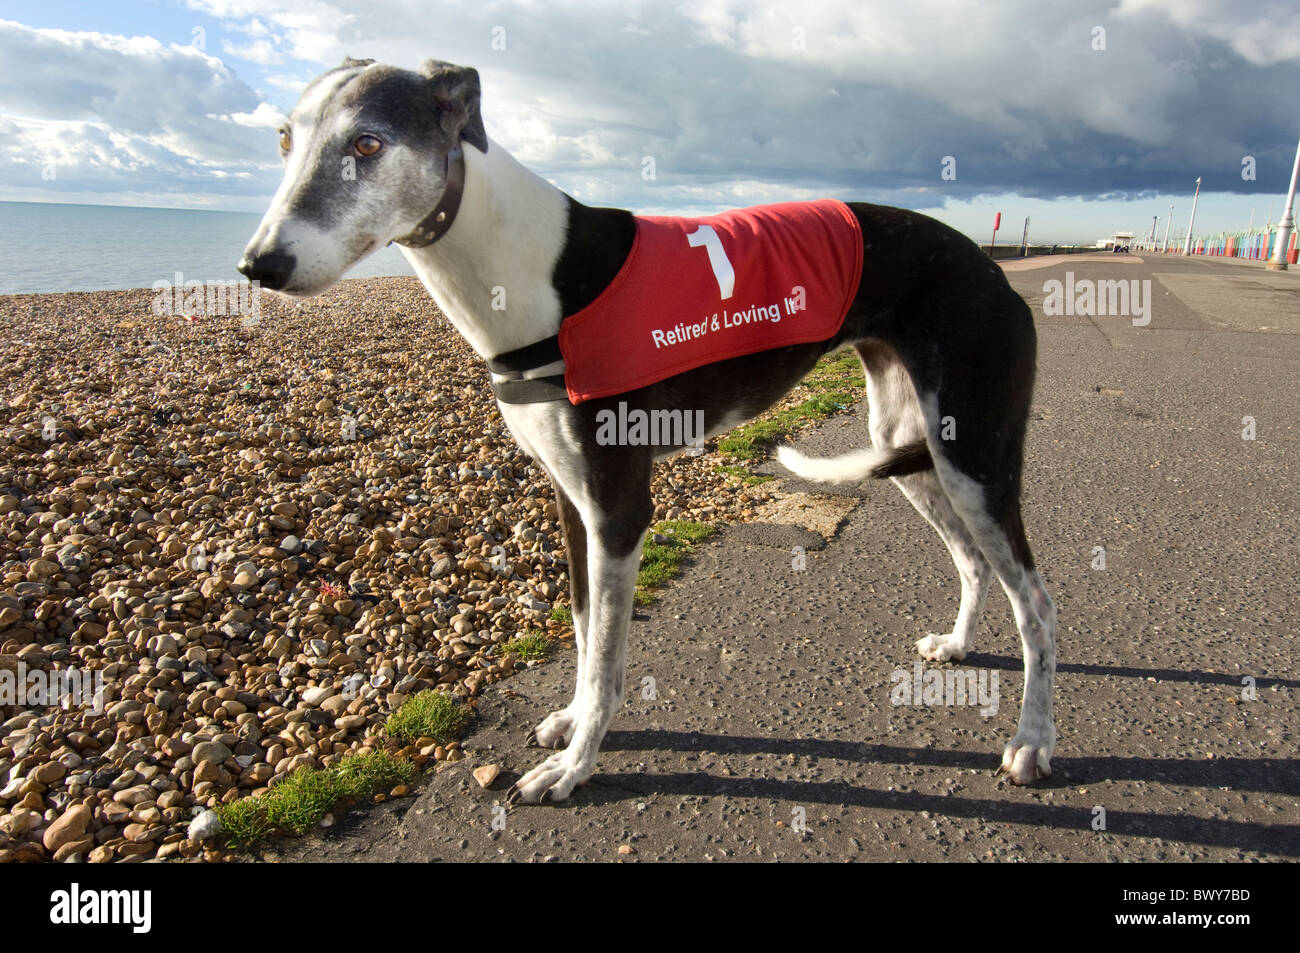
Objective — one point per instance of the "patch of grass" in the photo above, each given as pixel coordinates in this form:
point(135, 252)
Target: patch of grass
point(562, 614)
point(431, 713)
point(529, 646)
point(684, 531)
point(832, 382)
point(752, 441)
point(661, 561)
point(835, 371)
point(743, 475)
point(297, 803)
point(364, 774)
point(243, 822)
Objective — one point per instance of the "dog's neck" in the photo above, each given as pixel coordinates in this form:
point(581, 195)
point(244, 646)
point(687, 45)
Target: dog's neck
point(491, 272)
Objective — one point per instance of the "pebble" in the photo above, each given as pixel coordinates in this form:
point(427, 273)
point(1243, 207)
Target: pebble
point(18, 822)
point(314, 696)
point(50, 772)
point(211, 751)
point(486, 774)
point(204, 826)
point(139, 794)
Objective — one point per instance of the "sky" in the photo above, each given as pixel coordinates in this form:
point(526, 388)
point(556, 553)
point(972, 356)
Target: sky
point(1088, 117)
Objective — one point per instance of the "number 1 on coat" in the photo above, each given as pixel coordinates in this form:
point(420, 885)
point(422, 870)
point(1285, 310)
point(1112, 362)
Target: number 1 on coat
point(722, 270)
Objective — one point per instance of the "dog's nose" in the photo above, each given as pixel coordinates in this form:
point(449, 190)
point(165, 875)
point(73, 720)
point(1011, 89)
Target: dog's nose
point(272, 269)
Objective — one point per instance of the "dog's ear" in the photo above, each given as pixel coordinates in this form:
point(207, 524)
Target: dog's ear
point(456, 92)
point(349, 61)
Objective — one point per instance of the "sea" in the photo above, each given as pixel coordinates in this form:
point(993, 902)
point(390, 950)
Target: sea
point(46, 247)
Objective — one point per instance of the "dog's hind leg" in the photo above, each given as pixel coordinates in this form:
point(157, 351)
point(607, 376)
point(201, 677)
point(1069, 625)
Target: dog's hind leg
point(928, 496)
point(975, 394)
point(556, 729)
point(895, 420)
point(998, 530)
point(1029, 754)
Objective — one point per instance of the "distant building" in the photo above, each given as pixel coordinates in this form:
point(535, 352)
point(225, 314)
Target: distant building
point(1120, 241)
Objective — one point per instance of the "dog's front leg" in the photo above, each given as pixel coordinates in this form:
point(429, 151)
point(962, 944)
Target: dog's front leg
point(556, 729)
point(613, 554)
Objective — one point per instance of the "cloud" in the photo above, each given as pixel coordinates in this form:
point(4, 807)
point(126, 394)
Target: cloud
point(108, 113)
point(313, 28)
point(730, 98)
point(265, 116)
point(1261, 33)
point(259, 51)
point(848, 99)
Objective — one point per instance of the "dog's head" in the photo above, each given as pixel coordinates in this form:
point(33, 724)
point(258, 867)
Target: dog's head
point(365, 155)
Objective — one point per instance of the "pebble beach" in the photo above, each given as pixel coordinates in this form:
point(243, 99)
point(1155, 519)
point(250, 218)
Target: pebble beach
point(260, 540)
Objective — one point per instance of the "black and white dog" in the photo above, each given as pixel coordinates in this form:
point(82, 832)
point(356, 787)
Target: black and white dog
point(940, 333)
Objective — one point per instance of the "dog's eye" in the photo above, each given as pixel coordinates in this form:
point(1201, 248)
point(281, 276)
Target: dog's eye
point(286, 140)
point(367, 145)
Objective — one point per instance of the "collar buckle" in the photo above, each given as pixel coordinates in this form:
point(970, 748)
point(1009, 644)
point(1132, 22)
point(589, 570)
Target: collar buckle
point(437, 223)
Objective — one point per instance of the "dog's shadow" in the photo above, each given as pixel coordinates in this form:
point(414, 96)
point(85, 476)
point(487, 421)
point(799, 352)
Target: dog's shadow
point(1007, 663)
point(1262, 775)
point(1273, 775)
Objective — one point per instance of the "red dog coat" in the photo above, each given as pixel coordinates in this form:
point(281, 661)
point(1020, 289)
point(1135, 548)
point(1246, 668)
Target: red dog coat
point(694, 291)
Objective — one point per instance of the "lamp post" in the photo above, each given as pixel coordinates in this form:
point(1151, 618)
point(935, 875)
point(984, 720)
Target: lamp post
point(1287, 222)
point(1168, 222)
point(1187, 245)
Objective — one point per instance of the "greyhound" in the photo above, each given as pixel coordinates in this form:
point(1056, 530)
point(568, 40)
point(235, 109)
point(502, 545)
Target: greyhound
point(945, 342)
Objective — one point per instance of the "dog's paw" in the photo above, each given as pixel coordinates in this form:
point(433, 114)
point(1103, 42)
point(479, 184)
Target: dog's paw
point(941, 648)
point(552, 780)
point(1025, 763)
point(556, 729)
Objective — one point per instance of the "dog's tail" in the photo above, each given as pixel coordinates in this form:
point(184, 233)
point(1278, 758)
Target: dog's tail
point(876, 463)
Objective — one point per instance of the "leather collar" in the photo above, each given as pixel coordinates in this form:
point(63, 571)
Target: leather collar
point(436, 223)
